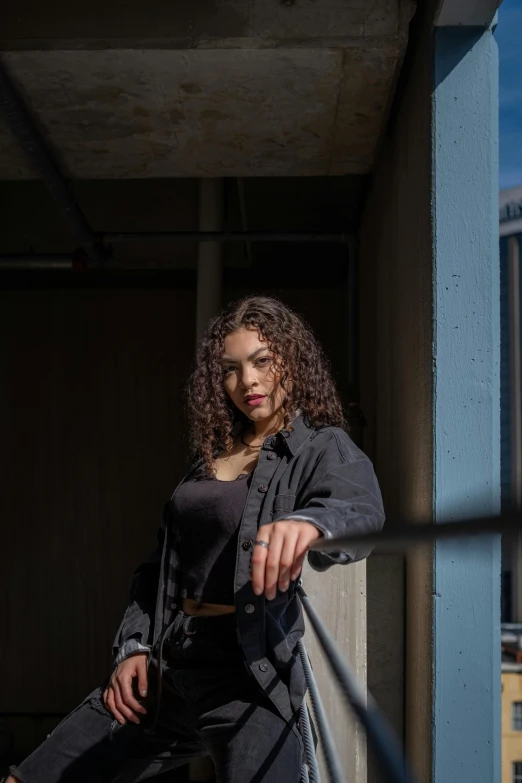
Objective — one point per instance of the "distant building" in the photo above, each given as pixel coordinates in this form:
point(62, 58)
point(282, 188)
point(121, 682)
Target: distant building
point(511, 392)
point(512, 704)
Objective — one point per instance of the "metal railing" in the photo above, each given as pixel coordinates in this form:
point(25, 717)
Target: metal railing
point(388, 751)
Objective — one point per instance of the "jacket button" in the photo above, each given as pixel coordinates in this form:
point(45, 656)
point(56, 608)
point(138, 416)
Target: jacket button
point(249, 608)
point(271, 455)
point(262, 488)
point(263, 667)
point(247, 544)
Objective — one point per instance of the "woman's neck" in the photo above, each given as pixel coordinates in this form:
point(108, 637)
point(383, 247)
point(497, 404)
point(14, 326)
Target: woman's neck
point(262, 429)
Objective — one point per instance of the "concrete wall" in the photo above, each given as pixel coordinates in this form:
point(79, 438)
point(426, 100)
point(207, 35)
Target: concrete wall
point(430, 336)
point(466, 372)
point(396, 321)
point(93, 442)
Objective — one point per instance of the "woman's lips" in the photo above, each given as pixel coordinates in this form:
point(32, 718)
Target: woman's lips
point(255, 400)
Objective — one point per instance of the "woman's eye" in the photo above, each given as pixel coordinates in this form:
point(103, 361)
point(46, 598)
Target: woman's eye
point(264, 361)
point(228, 370)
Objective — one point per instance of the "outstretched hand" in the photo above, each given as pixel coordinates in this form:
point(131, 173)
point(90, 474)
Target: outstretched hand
point(288, 543)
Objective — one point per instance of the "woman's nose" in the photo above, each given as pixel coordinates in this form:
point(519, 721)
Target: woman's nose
point(247, 378)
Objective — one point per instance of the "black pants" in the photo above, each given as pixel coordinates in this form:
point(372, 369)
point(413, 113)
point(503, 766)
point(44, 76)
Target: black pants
point(210, 705)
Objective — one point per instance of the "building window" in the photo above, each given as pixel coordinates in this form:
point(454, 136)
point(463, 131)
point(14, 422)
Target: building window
point(517, 772)
point(517, 717)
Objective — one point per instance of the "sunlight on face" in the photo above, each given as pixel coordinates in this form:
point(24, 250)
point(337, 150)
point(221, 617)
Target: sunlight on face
point(251, 375)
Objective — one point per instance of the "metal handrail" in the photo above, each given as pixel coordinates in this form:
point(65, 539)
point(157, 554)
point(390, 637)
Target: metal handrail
point(402, 535)
point(381, 738)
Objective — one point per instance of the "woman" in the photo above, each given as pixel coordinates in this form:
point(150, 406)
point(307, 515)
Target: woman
point(206, 656)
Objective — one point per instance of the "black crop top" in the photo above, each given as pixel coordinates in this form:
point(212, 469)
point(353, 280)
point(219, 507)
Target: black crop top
point(208, 512)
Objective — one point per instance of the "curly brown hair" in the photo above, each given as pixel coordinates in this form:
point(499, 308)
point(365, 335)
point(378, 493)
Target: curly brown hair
point(212, 415)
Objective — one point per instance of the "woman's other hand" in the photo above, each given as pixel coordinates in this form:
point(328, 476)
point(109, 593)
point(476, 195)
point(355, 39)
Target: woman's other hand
point(118, 697)
point(282, 561)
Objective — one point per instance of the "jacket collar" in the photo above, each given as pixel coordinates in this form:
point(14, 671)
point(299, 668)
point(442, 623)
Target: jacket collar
point(295, 437)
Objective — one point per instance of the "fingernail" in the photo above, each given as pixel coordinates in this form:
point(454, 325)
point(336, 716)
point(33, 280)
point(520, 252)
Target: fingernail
point(284, 587)
point(144, 693)
point(257, 590)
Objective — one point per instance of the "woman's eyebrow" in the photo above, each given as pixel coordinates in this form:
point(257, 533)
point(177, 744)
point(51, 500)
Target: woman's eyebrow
point(249, 358)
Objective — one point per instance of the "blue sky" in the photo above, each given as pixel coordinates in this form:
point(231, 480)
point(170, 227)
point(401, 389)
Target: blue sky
point(509, 39)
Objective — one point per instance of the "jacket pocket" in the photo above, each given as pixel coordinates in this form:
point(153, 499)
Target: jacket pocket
point(282, 504)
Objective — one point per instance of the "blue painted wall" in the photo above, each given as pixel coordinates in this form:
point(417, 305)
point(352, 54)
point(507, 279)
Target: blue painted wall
point(466, 630)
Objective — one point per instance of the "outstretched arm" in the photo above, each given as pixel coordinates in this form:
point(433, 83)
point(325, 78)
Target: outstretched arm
point(341, 496)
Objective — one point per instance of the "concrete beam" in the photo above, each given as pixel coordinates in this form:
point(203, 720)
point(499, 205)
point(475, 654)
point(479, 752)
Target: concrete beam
point(206, 25)
point(225, 112)
point(466, 13)
point(232, 88)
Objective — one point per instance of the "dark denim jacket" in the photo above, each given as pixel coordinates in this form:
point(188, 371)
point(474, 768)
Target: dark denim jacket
point(318, 475)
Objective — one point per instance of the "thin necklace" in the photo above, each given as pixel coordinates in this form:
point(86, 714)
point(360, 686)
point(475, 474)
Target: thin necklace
point(250, 446)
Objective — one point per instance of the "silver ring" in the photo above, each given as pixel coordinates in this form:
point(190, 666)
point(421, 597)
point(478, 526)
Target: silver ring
point(261, 543)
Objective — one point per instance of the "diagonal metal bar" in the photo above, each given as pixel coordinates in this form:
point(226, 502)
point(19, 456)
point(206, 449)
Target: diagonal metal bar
point(380, 737)
point(403, 535)
point(333, 763)
point(21, 124)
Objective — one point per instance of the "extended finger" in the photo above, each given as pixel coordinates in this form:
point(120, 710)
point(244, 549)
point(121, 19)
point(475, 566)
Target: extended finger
point(111, 706)
point(122, 707)
point(301, 549)
point(287, 558)
point(257, 564)
point(141, 671)
point(272, 564)
point(128, 696)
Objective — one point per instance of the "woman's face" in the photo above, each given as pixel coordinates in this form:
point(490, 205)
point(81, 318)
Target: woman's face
point(251, 374)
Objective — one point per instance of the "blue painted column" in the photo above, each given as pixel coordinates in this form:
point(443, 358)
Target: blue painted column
point(466, 660)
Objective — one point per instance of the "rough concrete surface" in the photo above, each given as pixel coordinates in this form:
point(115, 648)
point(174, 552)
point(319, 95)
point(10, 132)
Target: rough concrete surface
point(262, 89)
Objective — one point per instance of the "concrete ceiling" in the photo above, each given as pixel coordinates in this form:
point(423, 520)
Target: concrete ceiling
point(237, 88)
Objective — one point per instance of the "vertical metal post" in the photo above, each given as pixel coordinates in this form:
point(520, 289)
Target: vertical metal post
point(515, 359)
point(208, 302)
point(210, 259)
point(353, 320)
point(355, 417)
point(244, 221)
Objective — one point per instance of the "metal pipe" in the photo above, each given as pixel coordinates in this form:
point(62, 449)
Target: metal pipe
point(225, 236)
point(242, 209)
point(210, 254)
point(30, 139)
point(28, 261)
point(513, 259)
point(353, 321)
point(399, 536)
